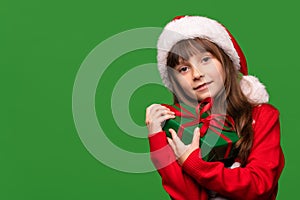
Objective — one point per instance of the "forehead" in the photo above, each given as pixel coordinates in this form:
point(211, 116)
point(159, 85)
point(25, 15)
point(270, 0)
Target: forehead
point(196, 57)
point(186, 48)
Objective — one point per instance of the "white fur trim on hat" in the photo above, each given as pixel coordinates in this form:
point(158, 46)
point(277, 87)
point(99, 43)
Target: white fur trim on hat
point(254, 90)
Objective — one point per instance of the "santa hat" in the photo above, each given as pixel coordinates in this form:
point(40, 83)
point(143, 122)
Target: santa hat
point(189, 27)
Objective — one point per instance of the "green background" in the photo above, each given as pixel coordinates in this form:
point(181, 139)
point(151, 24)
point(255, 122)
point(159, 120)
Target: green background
point(42, 47)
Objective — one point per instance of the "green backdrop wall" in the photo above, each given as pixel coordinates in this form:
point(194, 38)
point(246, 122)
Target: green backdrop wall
point(43, 45)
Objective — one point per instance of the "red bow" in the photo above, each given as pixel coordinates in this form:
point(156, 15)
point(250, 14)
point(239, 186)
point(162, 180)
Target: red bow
point(213, 121)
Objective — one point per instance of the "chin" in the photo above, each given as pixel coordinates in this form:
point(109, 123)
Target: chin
point(204, 96)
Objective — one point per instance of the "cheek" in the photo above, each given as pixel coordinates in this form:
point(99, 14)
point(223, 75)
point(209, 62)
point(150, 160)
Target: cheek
point(184, 80)
point(221, 75)
point(217, 73)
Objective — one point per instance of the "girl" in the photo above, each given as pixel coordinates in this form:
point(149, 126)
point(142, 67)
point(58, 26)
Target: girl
point(198, 58)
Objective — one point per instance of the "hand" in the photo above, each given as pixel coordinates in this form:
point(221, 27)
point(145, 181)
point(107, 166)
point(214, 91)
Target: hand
point(156, 114)
point(181, 150)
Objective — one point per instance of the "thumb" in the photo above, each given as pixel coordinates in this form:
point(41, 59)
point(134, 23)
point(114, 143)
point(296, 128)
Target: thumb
point(196, 138)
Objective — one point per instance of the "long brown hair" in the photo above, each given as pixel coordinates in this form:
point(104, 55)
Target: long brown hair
point(237, 104)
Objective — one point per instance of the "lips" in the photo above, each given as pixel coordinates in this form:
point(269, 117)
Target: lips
point(202, 86)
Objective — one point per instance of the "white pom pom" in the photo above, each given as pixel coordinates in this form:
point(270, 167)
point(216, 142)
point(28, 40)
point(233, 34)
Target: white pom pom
point(254, 90)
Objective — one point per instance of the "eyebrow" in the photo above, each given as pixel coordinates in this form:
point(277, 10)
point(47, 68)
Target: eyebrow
point(183, 62)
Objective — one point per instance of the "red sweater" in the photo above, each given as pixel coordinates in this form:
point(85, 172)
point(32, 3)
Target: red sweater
point(257, 180)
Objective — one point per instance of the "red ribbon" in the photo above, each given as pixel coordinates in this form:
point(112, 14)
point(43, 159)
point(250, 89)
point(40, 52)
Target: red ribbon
point(220, 121)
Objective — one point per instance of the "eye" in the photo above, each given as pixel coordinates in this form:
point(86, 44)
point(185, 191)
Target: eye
point(206, 59)
point(183, 69)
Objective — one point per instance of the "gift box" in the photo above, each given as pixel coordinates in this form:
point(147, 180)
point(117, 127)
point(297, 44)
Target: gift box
point(217, 134)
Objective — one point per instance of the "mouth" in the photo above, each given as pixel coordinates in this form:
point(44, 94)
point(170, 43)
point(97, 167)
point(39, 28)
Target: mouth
point(203, 86)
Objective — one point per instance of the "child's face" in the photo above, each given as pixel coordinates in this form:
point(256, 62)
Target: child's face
point(201, 76)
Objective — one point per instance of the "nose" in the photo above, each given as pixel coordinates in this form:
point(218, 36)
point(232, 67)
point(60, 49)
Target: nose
point(197, 74)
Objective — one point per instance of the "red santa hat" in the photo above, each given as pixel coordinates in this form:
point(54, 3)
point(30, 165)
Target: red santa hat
point(188, 27)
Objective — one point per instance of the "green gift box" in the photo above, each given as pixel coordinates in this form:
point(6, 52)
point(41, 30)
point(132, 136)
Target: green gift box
point(218, 137)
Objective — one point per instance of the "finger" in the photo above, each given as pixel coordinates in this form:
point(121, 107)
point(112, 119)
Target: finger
point(163, 118)
point(161, 110)
point(155, 112)
point(148, 109)
point(160, 113)
point(158, 122)
point(173, 133)
point(171, 143)
point(196, 138)
point(157, 108)
point(151, 110)
point(153, 105)
point(175, 137)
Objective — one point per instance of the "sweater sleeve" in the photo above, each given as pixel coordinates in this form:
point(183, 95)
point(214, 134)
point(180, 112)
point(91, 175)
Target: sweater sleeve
point(259, 178)
point(175, 181)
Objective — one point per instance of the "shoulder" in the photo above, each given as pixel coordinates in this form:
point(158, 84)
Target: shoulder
point(264, 110)
point(265, 116)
